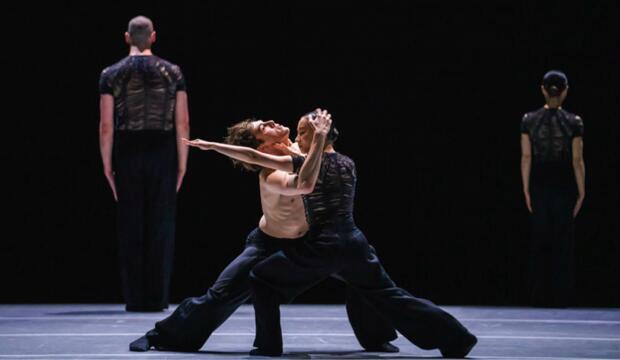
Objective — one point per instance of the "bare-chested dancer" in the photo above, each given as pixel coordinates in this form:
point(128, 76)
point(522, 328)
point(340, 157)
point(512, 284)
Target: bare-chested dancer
point(283, 223)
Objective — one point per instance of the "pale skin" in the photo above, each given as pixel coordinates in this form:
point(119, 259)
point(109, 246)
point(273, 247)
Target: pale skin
point(578, 161)
point(106, 125)
point(280, 190)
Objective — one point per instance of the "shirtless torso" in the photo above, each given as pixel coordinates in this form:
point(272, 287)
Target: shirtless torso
point(283, 215)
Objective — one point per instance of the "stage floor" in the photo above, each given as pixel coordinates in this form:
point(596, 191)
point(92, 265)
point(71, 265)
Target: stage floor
point(310, 332)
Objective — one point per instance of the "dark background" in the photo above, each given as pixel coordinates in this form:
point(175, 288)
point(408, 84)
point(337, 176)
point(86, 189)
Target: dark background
point(427, 95)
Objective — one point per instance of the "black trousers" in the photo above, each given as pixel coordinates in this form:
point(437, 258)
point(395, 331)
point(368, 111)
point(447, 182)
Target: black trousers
point(193, 321)
point(345, 252)
point(145, 165)
point(552, 239)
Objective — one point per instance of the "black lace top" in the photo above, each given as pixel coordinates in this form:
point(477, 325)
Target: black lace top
point(144, 90)
point(298, 161)
point(551, 132)
point(331, 202)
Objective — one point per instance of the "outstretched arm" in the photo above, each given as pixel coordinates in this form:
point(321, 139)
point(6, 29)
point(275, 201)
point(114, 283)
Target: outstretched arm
point(245, 154)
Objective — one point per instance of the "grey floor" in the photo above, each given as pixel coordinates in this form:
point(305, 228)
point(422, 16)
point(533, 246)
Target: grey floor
point(310, 332)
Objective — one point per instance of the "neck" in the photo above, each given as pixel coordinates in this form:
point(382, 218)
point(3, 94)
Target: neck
point(553, 103)
point(329, 148)
point(133, 51)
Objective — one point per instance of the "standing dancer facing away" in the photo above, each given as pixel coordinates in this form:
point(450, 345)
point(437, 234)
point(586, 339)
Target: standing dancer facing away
point(144, 115)
point(282, 225)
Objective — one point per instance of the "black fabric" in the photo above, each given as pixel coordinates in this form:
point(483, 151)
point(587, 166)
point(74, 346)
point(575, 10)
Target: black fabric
point(298, 161)
point(551, 132)
point(337, 247)
point(193, 321)
point(144, 90)
point(145, 165)
point(552, 243)
point(286, 274)
point(332, 199)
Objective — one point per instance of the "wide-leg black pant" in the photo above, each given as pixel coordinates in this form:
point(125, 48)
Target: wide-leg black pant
point(191, 324)
point(345, 252)
point(552, 255)
point(145, 165)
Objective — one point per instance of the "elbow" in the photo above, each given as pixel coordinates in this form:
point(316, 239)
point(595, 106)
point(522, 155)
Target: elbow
point(526, 160)
point(106, 129)
point(182, 126)
point(251, 157)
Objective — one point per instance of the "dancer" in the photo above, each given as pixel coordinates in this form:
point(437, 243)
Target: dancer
point(553, 174)
point(282, 225)
point(336, 246)
point(144, 115)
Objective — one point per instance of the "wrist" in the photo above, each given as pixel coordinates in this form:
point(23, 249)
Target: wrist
point(320, 137)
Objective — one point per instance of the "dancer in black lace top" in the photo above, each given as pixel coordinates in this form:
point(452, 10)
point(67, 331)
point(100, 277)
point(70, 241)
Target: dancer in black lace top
point(553, 174)
point(337, 247)
point(144, 114)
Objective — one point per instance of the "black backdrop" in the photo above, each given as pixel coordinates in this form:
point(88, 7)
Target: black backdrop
point(427, 95)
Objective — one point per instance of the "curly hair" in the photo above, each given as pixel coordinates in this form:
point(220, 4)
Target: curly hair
point(241, 134)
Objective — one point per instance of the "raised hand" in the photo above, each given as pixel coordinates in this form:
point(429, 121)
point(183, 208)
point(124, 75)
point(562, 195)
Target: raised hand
point(321, 123)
